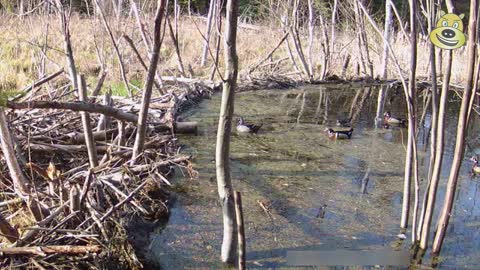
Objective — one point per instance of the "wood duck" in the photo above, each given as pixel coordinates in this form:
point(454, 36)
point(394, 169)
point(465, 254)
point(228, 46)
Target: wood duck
point(342, 135)
point(475, 167)
point(389, 119)
point(344, 122)
point(243, 127)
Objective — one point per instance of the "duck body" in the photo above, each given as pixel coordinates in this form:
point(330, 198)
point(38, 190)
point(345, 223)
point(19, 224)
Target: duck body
point(475, 167)
point(339, 135)
point(389, 119)
point(243, 127)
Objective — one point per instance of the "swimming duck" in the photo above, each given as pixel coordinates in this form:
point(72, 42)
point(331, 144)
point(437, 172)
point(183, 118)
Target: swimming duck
point(389, 119)
point(475, 167)
point(332, 134)
point(243, 127)
point(344, 122)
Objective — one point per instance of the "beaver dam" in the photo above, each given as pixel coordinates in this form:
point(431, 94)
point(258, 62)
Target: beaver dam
point(302, 191)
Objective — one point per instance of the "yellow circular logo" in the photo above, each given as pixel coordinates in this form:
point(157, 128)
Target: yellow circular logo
point(448, 34)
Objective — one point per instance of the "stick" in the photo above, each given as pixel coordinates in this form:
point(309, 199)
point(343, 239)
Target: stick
point(43, 251)
point(99, 84)
point(37, 84)
point(365, 180)
point(87, 128)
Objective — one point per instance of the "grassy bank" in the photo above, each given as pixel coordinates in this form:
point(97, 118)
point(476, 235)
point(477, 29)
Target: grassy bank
point(32, 46)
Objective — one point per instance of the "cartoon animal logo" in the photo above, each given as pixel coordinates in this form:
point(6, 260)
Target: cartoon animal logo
point(449, 32)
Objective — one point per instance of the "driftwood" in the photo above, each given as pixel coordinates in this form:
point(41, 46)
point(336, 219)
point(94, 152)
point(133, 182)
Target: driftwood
point(45, 250)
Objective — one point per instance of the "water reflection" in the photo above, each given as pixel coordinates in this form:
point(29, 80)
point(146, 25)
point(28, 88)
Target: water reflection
point(293, 169)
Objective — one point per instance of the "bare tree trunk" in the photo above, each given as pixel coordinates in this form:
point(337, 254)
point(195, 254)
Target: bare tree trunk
point(225, 189)
point(311, 35)
point(384, 70)
point(218, 36)
point(174, 38)
point(147, 93)
point(434, 130)
point(437, 166)
point(117, 51)
point(241, 231)
point(461, 132)
point(211, 15)
point(334, 24)
point(286, 26)
point(65, 20)
point(325, 48)
point(412, 118)
point(296, 40)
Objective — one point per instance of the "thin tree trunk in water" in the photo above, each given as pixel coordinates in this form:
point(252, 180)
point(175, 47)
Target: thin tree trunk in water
point(434, 119)
point(384, 71)
point(412, 113)
point(147, 93)
point(241, 231)
point(211, 14)
point(224, 182)
point(461, 132)
point(437, 166)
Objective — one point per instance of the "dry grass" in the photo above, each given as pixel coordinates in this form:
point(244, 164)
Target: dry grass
point(24, 39)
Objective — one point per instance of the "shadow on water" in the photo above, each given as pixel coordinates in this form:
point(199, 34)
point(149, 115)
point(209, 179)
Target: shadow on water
point(296, 172)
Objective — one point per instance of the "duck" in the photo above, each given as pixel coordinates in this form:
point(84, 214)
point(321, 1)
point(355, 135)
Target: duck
point(475, 166)
point(342, 135)
point(344, 122)
point(389, 119)
point(243, 127)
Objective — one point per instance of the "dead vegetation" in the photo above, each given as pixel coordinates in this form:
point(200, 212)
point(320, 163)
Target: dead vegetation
point(86, 210)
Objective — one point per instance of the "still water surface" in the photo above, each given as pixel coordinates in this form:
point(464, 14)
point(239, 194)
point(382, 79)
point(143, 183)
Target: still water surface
point(293, 169)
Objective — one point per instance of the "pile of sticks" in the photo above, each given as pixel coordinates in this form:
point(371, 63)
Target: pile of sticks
point(84, 198)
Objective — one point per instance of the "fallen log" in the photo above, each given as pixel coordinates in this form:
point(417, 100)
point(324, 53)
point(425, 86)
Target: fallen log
point(77, 106)
point(45, 250)
point(179, 127)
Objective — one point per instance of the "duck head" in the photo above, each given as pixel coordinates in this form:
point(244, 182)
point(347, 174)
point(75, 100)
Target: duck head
point(240, 121)
point(329, 131)
point(387, 115)
point(474, 159)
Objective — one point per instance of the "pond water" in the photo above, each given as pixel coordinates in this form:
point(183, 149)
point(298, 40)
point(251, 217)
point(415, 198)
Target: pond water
point(296, 172)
